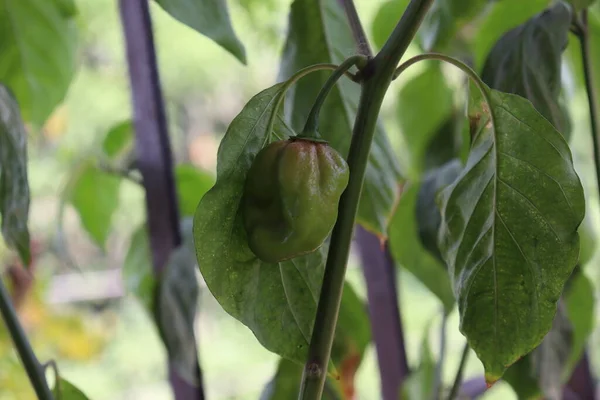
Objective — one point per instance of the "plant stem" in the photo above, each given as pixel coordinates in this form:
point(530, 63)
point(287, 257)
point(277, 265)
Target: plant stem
point(379, 270)
point(377, 77)
point(155, 161)
point(312, 122)
point(360, 36)
point(459, 373)
point(30, 362)
point(439, 369)
point(584, 39)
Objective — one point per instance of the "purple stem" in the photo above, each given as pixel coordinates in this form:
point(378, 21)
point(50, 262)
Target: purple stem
point(154, 159)
point(386, 324)
point(581, 385)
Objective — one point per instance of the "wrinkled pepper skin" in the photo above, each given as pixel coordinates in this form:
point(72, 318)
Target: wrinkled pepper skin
point(291, 198)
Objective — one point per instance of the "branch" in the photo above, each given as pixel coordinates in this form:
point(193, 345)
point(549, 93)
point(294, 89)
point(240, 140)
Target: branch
point(459, 373)
point(581, 384)
point(154, 159)
point(438, 382)
point(583, 34)
point(377, 77)
point(30, 362)
point(386, 324)
point(360, 37)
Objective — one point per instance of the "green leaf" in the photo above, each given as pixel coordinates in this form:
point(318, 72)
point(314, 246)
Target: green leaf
point(450, 141)
point(509, 229)
point(65, 390)
point(276, 301)
point(503, 16)
point(427, 213)
point(192, 183)
point(67, 8)
point(424, 104)
point(581, 4)
point(580, 304)
point(412, 218)
point(14, 184)
point(386, 19)
point(138, 276)
point(95, 196)
point(38, 47)
point(542, 371)
point(527, 61)
point(210, 18)
point(420, 383)
point(119, 140)
point(176, 306)
point(286, 383)
point(319, 33)
point(588, 239)
point(445, 19)
point(546, 369)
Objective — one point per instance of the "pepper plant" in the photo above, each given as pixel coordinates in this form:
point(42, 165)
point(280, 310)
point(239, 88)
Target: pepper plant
point(479, 195)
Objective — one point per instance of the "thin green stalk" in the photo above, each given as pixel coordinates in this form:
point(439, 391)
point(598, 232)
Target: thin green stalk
point(30, 362)
point(312, 122)
point(588, 69)
point(377, 76)
point(438, 377)
point(459, 373)
point(295, 78)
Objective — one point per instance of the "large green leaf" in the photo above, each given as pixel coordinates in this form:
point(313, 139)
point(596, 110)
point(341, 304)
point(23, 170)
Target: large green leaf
point(276, 301)
point(386, 19)
point(405, 242)
point(424, 105)
point(14, 184)
point(541, 371)
point(445, 19)
point(319, 33)
point(581, 4)
point(580, 304)
point(546, 369)
point(192, 183)
point(95, 196)
point(527, 61)
point(503, 16)
point(176, 305)
point(509, 229)
point(210, 18)
point(65, 390)
point(138, 277)
point(37, 43)
point(420, 383)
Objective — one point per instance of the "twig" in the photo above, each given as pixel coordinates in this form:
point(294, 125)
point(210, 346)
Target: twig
point(473, 388)
point(358, 32)
point(581, 384)
point(583, 34)
point(459, 373)
point(377, 77)
point(439, 369)
point(386, 323)
point(30, 362)
point(154, 159)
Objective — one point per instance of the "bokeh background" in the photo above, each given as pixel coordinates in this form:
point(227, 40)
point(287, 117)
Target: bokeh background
point(78, 312)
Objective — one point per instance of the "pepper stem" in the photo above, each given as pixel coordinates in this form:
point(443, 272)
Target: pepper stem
point(310, 130)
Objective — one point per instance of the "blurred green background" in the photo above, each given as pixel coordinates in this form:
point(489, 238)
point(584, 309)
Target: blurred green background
point(108, 346)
